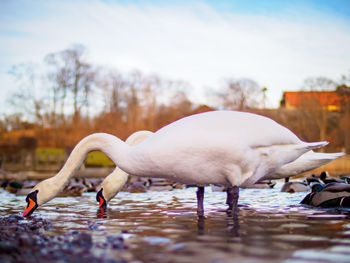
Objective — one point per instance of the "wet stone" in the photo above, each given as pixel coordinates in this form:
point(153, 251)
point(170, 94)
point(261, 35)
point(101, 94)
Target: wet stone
point(117, 242)
point(16, 217)
point(83, 240)
point(26, 242)
point(93, 225)
point(7, 247)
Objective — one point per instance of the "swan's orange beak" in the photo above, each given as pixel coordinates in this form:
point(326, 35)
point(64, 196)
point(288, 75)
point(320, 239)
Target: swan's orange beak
point(31, 203)
point(30, 208)
point(100, 199)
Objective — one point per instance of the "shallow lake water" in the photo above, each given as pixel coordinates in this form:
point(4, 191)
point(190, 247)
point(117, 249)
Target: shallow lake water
point(162, 226)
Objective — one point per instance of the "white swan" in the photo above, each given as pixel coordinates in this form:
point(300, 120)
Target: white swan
point(115, 181)
point(219, 147)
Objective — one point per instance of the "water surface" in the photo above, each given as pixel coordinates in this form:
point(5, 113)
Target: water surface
point(162, 226)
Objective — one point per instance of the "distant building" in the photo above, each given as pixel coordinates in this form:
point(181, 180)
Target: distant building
point(298, 99)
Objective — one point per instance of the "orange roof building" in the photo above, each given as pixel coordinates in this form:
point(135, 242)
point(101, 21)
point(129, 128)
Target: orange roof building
point(326, 99)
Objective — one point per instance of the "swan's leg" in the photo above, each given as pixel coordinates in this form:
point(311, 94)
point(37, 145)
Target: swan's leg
point(200, 225)
point(200, 198)
point(232, 198)
point(232, 201)
point(229, 198)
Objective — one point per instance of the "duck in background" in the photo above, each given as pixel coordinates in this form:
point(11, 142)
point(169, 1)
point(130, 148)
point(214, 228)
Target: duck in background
point(326, 178)
point(300, 186)
point(18, 188)
point(330, 195)
point(323, 179)
point(263, 184)
point(74, 187)
point(345, 178)
point(295, 186)
point(258, 185)
point(313, 179)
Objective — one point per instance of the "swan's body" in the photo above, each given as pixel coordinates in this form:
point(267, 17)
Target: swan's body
point(306, 162)
point(220, 147)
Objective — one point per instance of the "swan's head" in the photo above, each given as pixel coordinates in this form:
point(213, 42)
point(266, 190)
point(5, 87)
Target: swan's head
point(109, 190)
point(111, 186)
point(32, 203)
point(40, 194)
point(101, 199)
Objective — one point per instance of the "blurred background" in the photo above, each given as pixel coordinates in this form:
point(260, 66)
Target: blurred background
point(71, 68)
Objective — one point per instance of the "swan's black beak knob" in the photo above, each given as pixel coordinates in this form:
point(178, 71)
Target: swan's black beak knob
point(100, 199)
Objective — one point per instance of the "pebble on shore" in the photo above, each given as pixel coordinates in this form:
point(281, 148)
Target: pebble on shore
point(23, 240)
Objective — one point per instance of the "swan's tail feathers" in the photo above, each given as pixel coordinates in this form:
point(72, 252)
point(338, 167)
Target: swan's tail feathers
point(326, 157)
point(314, 145)
point(331, 156)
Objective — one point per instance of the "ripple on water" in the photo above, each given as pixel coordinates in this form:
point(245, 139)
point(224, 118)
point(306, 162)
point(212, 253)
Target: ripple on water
point(320, 255)
point(326, 216)
point(162, 226)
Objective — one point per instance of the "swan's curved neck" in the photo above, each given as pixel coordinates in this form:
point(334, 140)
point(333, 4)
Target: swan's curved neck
point(112, 146)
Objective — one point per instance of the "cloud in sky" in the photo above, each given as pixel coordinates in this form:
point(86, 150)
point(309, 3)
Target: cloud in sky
point(199, 42)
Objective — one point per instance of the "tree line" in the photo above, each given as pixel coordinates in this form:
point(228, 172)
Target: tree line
point(71, 98)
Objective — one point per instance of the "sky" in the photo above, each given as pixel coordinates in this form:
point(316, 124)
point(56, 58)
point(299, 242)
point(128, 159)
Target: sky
point(278, 44)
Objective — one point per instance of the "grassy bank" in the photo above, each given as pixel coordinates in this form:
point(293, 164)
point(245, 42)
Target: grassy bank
point(94, 159)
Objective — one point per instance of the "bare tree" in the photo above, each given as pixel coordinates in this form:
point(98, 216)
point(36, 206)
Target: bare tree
point(319, 84)
point(181, 103)
point(71, 73)
point(315, 105)
point(112, 84)
point(26, 98)
point(132, 99)
point(344, 91)
point(241, 94)
point(13, 122)
point(149, 97)
point(60, 82)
